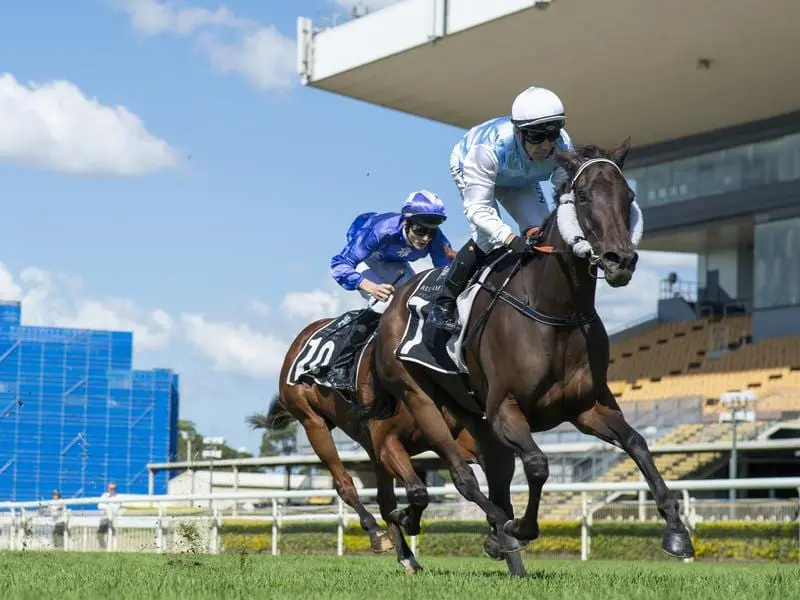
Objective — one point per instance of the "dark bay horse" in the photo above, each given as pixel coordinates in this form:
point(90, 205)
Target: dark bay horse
point(536, 350)
point(389, 442)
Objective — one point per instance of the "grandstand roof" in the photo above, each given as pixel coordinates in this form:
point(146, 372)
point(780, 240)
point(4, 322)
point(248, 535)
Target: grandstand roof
point(622, 67)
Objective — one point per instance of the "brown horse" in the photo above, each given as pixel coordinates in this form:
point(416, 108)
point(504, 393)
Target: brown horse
point(389, 442)
point(536, 351)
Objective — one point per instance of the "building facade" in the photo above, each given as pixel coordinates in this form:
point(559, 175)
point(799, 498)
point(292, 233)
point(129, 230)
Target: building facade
point(75, 415)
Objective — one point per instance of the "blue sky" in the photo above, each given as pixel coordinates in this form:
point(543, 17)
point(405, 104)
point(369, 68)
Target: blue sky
point(164, 172)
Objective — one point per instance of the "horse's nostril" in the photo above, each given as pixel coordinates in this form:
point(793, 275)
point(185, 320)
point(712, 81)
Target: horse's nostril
point(623, 260)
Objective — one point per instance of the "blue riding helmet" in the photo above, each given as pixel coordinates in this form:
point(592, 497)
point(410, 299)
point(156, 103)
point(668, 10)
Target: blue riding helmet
point(424, 207)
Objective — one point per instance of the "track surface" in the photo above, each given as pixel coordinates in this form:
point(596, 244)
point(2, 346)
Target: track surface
point(137, 576)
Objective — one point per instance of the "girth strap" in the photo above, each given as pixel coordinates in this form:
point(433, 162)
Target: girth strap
point(534, 314)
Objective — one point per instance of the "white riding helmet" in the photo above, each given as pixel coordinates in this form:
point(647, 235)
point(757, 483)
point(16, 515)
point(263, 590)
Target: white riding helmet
point(538, 108)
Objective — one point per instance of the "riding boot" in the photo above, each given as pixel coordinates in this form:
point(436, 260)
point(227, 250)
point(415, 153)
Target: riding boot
point(340, 375)
point(463, 266)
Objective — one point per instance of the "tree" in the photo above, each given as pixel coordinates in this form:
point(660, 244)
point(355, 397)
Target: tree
point(283, 441)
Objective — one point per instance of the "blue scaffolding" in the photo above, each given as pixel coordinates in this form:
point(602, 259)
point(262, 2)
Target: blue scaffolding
point(75, 415)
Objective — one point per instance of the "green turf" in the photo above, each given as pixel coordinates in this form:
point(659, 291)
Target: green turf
point(136, 576)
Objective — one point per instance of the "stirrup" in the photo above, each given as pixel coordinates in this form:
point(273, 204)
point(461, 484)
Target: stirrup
point(439, 318)
point(339, 380)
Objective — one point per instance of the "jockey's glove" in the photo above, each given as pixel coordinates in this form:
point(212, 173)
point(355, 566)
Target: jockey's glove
point(518, 244)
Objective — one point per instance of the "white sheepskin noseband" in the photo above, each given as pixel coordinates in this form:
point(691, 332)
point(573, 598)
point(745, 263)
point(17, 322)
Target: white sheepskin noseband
point(567, 217)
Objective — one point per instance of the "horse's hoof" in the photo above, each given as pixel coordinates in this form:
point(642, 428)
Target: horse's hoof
point(411, 565)
point(678, 544)
point(492, 547)
point(380, 541)
point(516, 568)
point(508, 540)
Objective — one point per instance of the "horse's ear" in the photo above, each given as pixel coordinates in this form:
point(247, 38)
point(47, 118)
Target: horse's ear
point(618, 155)
point(569, 160)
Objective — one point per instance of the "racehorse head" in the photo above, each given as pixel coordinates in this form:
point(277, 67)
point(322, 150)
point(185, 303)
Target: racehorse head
point(597, 212)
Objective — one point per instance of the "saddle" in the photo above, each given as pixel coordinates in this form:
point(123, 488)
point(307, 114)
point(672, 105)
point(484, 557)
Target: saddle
point(330, 356)
point(440, 350)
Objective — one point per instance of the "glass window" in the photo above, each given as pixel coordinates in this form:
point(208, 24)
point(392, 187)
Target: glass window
point(777, 277)
point(729, 170)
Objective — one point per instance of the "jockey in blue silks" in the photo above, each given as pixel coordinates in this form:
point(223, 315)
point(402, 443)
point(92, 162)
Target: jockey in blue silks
point(386, 243)
point(502, 161)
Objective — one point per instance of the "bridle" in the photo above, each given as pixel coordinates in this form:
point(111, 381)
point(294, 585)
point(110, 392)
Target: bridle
point(569, 225)
point(572, 233)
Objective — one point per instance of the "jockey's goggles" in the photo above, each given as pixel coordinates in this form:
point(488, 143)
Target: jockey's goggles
point(537, 136)
point(421, 230)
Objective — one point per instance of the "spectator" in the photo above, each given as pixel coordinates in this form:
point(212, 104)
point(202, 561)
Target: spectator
point(110, 509)
point(57, 512)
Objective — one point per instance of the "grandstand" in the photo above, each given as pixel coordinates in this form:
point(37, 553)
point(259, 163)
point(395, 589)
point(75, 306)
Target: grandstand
point(716, 172)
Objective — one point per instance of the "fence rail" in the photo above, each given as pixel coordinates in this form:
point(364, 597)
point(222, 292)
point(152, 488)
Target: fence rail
point(20, 528)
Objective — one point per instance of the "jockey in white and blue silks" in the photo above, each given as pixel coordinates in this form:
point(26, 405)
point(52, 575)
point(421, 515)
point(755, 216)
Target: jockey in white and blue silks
point(386, 243)
point(502, 161)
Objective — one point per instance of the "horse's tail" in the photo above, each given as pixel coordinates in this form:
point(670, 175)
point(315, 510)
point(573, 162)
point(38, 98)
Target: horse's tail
point(276, 418)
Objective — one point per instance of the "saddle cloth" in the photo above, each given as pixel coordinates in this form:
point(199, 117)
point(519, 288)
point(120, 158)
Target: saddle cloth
point(433, 348)
point(323, 348)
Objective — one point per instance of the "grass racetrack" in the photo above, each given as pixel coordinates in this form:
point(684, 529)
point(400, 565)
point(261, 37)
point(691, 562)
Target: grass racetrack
point(98, 575)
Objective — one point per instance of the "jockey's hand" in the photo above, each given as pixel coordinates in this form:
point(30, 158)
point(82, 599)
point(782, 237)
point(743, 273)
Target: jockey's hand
point(379, 291)
point(518, 244)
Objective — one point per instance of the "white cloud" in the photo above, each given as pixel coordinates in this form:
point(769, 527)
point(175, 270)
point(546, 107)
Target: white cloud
point(56, 126)
point(263, 56)
point(235, 347)
point(313, 305)
point(54, 300)
point(149, 17)
point(260, 308)
point(259, 53)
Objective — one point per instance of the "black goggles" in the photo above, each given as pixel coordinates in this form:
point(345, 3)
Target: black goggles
point(537, 136)
point(421, 230)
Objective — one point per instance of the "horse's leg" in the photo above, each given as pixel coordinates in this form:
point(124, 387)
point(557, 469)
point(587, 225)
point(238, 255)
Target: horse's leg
point(322, 442)
point(606, 421)
point(387, 501)
point(433, 426)
point(499, 473)
point(512, 429)
point(395, 459)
